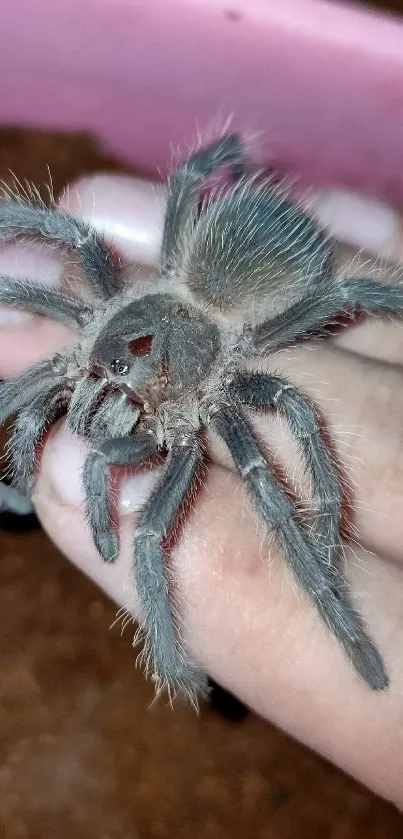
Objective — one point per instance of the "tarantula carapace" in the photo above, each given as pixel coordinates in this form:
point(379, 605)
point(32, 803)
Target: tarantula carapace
point(243, 271)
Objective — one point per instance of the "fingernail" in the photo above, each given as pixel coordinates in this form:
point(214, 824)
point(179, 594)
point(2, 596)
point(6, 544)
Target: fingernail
point(361, 222)
point(128, 211)
point(62, 466)
point(28, 262)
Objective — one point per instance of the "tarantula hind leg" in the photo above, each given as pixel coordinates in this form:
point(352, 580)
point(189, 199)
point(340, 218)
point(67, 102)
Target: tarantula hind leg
point(322, 583)
point(314, 313)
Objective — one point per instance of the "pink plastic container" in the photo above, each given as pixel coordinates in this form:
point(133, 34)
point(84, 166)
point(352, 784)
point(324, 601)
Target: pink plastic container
point(320, 83)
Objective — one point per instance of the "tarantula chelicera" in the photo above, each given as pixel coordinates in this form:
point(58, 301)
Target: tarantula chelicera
point(243, 271)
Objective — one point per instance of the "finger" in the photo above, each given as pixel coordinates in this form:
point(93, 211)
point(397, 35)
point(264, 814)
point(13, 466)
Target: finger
point(361, 223)
point(128, 211)
point(251, 628)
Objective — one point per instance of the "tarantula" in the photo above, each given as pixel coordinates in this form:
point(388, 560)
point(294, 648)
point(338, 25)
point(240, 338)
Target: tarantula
point(243, 272)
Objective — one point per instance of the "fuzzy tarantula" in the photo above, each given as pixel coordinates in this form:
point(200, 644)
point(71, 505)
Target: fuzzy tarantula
point(243, 272)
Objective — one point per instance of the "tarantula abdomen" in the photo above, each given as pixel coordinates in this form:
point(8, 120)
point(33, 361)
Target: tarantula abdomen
point(241, 274)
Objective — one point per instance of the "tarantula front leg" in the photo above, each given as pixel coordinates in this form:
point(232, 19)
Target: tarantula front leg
point(163, 652)
point(322, 583)
point(28, 430)
point(258, 390)
point(184, 186)
point(17, 216)
point(18, 392)
point(40, 300)
point(118, 451)
point(33, 394)
point(329, 301)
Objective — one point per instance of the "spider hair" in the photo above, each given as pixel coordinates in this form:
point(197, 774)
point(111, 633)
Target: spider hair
point(243, 272)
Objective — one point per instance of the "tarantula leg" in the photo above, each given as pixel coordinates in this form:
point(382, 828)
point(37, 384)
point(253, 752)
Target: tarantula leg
point(329, 301)
point(40, 300)
point(14, 501)
point(258, 390)
point(184, 186)
point(28, 430)
point(372, 297)
point(322, 583)
point(163, 651)
point(17, 513)
point(18, 392)
point(17, 217)
point(120, 451)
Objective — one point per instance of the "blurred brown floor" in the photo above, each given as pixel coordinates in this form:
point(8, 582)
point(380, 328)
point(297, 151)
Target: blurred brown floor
point(82, 755)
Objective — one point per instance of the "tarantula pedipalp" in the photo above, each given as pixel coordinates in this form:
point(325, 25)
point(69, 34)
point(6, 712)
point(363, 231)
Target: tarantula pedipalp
point(242, 273)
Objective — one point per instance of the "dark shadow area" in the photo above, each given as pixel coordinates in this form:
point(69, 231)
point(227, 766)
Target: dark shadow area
point(393, 6)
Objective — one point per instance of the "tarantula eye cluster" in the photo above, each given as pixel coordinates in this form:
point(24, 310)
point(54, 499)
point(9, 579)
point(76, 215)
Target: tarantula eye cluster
point(184, 355)
point(120, 367)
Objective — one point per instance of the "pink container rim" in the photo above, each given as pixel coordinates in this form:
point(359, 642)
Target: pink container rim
point(319, 83)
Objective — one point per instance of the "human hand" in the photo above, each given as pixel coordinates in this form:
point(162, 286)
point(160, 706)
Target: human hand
point(248, 623)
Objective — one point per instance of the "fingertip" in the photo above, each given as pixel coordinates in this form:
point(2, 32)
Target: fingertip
point(25, 338)
point(62, 467)
point(23, 344)
point(129, 212)
point(58, 498)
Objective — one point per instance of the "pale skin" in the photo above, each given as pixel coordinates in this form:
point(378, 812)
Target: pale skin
point(247, 622)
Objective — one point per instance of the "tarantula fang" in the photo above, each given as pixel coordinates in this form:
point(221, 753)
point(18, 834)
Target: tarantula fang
point(243, 271)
